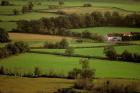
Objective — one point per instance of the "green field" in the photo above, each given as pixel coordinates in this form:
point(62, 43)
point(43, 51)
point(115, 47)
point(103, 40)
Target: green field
point(28, 16)
point(61, 65)
point(94, 51)
point(8, 25)
point(87, 44)
point(107, 30)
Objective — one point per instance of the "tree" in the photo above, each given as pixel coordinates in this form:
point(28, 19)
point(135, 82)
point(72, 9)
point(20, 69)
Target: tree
point(110, 52)
point(5, 2)
point(63, 43)
point(16, 12)
point(126, 56)
point(30, 6)
point(61, 2)
point(4, 37)
point(84, 80)
point(37, 72)
point(24, 9)
point(69, 51)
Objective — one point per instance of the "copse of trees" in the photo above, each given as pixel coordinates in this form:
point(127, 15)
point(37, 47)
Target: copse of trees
point(4, 37)
point(13, 49)
point(5, 2)
point(111, 53)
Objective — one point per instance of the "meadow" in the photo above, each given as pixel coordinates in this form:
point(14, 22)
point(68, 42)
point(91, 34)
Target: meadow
point(94, 51)
point(8, 25)
point(119, 72)
point(106, 30)
point(25, 63)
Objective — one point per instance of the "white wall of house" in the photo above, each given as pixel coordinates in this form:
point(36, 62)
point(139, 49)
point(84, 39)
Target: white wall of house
point(114, 38)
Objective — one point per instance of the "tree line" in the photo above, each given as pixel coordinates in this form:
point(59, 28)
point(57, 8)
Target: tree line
point(94, 19)
point(13, 49)
point(61, 25)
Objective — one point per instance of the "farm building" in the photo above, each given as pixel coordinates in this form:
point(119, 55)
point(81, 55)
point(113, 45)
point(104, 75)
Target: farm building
point(115, 37)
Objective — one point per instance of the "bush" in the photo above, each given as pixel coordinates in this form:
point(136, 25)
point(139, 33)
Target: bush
point(13, 48)
point(84, 81)
point(69, 51)
point(74, 73)
point(87, 5)
point(110, 52)
point(4, 37)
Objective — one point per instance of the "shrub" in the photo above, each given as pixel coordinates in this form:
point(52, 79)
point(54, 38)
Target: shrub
point(74, 73)
point(87, 5)
point(69, 51)
point(4, 37)
point(110, 52)
point(84, 81)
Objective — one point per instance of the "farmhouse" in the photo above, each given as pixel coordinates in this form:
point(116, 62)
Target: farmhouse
point(115, 37)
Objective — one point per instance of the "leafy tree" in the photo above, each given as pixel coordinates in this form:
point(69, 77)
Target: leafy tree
point(16, 12)
point(110, 52)
point(85, 78)
point(126, 56)
point(61, 2)
point(37, 72)
point(69, 51)
point(24, 9)
point(63, 43)
point(5, 2)
point(30, 6)
point(4, 37)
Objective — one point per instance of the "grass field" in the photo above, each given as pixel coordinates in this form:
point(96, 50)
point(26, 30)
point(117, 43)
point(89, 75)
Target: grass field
point(8, 25)
point(28, 16)
point(94, 51)
point(62, 65)
point(87, 44)
point(107, 30)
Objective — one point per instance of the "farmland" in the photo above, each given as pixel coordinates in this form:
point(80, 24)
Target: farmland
point(107, 30)
point(62, 65)
point(56, 44)
point(43, 84)
point(93, 51)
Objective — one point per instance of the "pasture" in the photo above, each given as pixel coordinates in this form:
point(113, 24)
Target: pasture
point(8, 25)
point(106, 30)
point(94, 51)
point(26, 63)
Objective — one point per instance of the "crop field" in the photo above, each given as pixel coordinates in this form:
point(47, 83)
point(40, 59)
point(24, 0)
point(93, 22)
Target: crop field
point(107, 30)
point(35, 37)
point(22, 85)
point(50, 64)
point(36, 85)
point(43, 84)
point(62, 65)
